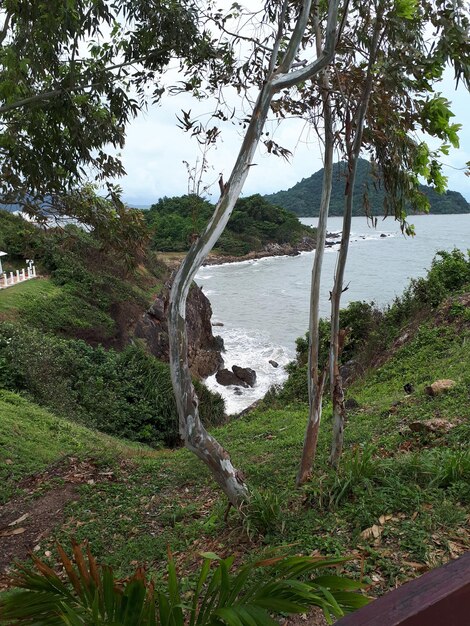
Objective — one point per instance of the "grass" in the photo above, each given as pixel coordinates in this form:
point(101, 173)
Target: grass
point(399, 505)
point(15, 298)
point(31, 439)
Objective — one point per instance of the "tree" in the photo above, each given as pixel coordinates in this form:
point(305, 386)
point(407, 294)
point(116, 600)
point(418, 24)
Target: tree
point(401, 65)
point(316, 378)
point(67, 91)
point(280, 74)
point(383, 91)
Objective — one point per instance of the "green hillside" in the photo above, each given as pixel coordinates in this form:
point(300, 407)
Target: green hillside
point(398, 507)
point(303, 199)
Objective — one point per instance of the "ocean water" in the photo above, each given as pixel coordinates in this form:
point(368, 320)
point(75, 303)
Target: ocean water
point(264, 303)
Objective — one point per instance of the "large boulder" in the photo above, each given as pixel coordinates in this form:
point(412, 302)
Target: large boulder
point(226, 377)
point(246, 374)
point(433, 425)
point(440, 386)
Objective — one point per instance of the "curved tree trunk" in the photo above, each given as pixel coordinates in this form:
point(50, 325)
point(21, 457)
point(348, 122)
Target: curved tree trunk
point(193, 433)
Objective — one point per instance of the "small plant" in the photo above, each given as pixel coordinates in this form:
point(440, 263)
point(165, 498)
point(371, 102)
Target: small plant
point(90, 595)
point(262, 514)
point(360, 469)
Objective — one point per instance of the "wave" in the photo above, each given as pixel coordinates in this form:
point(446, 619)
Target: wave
point(255, 350)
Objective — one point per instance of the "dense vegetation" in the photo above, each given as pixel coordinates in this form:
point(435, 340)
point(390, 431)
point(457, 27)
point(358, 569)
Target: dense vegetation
point(399, 504)
point(371, 331)
point(91, 280)
point(303, 199)
point(253, 224)
point(65, 337)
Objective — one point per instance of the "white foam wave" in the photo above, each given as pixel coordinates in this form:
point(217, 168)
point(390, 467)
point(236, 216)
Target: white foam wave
point(255, 350)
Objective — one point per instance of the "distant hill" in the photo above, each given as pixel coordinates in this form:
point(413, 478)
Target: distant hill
point(303, 199)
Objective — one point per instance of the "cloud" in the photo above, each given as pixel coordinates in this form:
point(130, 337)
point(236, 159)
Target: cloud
point(156, 148)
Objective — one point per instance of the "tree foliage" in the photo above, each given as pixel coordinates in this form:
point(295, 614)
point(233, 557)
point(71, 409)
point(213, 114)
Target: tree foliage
point(72, 75)
point(253, 224)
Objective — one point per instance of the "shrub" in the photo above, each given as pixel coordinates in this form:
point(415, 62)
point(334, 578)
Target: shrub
point(91, 596)
point(128, 393)
point(262, 513)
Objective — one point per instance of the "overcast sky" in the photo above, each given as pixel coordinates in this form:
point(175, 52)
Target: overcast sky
point(156, 148)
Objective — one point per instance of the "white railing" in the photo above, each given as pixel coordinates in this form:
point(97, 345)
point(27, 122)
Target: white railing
point(10, 279)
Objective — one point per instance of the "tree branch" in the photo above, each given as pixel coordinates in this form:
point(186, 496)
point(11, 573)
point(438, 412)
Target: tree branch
point(283, 81)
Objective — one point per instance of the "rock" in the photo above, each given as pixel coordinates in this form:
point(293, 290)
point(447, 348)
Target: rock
point(440, 386)
point(204, 353)
point(217, 324)
point(432, 425)
point(157, 310)
point(273, 363)
point(351, 404)
point(237, 391)
point(226, 377)
point(348, 371)
point(408, 388)
point(246, 374)
point(383, 235)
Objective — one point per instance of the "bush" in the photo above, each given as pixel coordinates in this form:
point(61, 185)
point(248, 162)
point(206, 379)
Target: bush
point(127, 394)
point(89, 594)
point(262, 513)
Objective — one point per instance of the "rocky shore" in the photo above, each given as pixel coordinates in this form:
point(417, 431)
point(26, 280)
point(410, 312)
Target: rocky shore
point(307, 244)
point(271, 249)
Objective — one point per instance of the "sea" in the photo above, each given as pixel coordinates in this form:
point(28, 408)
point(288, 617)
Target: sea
point(264, 304)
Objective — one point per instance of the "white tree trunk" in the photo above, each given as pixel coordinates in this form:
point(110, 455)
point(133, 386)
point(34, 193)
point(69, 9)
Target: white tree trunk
point(315, 378)
point(354, 149)
point(191, 429)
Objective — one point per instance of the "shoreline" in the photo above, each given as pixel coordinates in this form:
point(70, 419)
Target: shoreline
point(271, 250)
point(307, 244)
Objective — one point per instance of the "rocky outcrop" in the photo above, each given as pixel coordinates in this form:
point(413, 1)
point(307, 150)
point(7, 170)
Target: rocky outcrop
point(246, 374)
point(306, 244)
point(225, 377)
point(204, 354)
point(239, 376)
point(433, 425)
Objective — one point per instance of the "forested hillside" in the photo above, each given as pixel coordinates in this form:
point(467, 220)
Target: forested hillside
point(303, 199)
point(253, 224)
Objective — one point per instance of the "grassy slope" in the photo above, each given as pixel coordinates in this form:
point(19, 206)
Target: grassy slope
point(31, 439)
point(420, 482)
point(15, 298)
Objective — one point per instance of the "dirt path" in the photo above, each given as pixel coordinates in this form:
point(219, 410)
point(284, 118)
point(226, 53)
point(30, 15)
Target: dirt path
point(28, 519)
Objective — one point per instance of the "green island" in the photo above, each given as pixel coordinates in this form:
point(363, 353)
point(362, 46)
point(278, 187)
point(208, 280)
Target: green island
point(303, 199)
point(253, 227)
point(88, 428)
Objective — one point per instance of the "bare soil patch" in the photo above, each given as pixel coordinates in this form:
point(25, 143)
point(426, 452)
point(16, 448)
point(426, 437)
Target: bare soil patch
point(28, 519)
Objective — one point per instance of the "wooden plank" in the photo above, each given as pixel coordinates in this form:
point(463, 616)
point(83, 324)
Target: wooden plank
point(438, 598)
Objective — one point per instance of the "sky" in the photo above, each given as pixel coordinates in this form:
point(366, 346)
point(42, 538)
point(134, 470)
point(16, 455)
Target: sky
point(156, 149)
